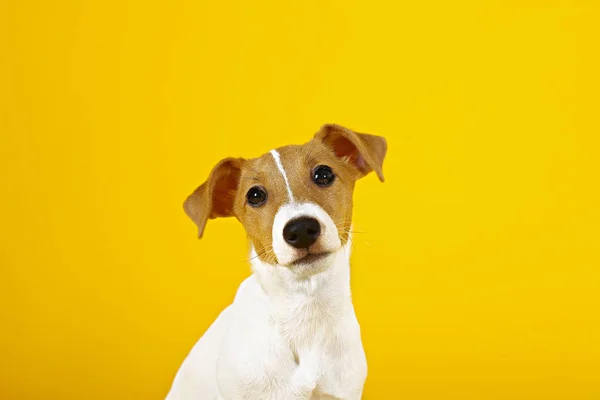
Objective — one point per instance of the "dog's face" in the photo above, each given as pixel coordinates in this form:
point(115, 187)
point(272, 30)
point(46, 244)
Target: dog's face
point(295, 202)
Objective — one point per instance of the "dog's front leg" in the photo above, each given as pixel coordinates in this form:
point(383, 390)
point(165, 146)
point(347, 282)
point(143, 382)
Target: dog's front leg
point(307, 375)
point(303, 383)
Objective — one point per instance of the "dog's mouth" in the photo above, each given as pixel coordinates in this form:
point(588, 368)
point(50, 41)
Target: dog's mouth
point(310, 258)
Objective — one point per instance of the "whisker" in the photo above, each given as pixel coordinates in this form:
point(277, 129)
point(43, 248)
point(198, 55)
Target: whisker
point(267, 252)
point(351, 242)
point(250, 259)
point(343, 227)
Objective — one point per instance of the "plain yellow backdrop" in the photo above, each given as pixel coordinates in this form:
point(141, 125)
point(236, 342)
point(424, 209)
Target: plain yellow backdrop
point(478, 272)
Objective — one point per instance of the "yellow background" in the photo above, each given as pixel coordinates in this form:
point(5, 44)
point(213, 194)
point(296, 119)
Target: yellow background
point(478, 275)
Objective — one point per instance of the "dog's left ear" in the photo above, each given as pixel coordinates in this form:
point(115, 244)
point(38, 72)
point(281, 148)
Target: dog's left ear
point(214, 198)
point(366, 152)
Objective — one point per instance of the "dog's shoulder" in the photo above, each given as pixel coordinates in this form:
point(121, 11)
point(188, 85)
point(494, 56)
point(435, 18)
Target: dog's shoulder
point(250, 290)
point(250, 304)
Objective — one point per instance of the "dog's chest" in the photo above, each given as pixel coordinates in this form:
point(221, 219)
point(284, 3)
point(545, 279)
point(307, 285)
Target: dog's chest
point(324, 335)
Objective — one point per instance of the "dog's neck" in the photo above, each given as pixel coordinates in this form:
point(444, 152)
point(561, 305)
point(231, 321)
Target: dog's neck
point(299, 293)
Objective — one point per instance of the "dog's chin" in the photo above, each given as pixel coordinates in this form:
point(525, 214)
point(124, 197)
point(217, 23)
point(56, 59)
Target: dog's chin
point(311, 263)
point(311, 258)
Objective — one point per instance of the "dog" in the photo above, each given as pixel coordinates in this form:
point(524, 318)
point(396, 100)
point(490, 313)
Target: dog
point(291, 332)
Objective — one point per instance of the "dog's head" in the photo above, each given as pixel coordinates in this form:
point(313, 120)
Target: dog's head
point(295, 202)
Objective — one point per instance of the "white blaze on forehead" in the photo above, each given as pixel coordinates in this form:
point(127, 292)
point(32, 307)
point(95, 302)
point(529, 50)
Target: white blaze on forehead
point(277, 159)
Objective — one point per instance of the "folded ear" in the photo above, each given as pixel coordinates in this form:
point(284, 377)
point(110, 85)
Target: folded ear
point(214, 198)
point(366, 152)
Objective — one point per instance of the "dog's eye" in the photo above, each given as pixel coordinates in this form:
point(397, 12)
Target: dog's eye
point(323, 175)
point(256, 196)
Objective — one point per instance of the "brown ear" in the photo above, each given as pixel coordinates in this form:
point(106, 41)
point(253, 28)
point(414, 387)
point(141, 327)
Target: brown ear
point(214, 198)
point(366, 152)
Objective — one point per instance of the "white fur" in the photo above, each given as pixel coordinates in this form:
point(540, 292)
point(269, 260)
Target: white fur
point(290, 334)
point(277, 158)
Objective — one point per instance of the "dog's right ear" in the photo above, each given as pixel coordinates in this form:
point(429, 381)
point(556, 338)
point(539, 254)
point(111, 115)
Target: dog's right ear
point(214, 198)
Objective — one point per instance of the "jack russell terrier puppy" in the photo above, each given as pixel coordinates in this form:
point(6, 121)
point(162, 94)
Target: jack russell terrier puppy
point(291, 332)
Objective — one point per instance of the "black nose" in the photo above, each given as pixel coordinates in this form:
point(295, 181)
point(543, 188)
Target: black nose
point(302, 232)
